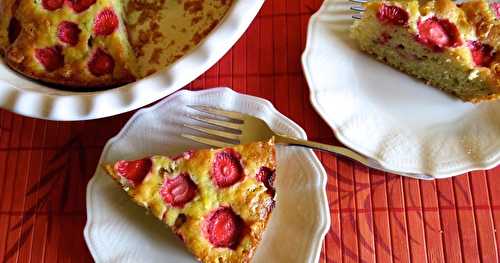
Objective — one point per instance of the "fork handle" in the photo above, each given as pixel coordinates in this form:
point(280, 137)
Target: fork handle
point(283, 139)
point(287, 140)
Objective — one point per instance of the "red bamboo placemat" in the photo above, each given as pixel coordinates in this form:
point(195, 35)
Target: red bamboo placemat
point(45, 166)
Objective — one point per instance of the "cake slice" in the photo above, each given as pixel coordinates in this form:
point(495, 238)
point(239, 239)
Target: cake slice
point(76, 43)
point(453, 47)
point(217, 201)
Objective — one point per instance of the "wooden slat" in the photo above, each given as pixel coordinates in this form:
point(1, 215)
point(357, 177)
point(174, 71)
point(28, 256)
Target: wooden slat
point(414, 220)
point(484, 220)
point(333, 240)
point(6, 122)
point(466, 217)
point(381, 223)
point(364, 214)
point(432, 222)
point(348, 220)
point(397, 219)
point(449, 223)
point(493, 183)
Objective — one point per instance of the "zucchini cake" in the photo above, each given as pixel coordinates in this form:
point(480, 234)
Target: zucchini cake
point(453, 47)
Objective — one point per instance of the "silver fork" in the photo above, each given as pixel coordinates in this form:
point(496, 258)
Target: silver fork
point(238, 128)
point(358, 8)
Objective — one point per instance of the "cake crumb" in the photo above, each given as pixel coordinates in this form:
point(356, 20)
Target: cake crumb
point(473, 74)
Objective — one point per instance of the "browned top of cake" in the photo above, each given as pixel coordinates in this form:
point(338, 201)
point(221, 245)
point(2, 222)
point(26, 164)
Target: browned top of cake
point(102, 43)
point(163, 31)
point(218, 201)
point(74, 43)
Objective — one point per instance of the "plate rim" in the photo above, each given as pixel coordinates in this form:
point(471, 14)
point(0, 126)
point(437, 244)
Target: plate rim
point(324, 211)
point(488, 162)
point(61, 105)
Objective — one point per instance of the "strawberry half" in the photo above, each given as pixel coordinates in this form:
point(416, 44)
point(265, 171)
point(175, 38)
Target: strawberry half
point(223, 228)
point(101, 63)
point(14, 29)
point(438, 33)
point(105, 23)
point(267, 176)
point(178, 191)
point(133, 171)
point(393, 15)
point(80, 5)
point(52, 5)
point(51, 57)
point(68, 32)
point(482, 54)
point(226, 169)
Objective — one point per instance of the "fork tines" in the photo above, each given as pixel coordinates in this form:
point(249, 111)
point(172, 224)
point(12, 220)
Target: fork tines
point(217, 112)
point(232, 126)
point(357, 8)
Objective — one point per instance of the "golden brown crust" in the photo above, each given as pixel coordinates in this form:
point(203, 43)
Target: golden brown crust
point(248, 198)
point(481, 16)
point(6, 6)
point(38, 30)
point(75, 82)
point(163, 31)
point(444, 7)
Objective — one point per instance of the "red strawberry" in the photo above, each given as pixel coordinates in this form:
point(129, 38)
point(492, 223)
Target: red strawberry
point(68, 32)
point(105, 23)
point(496, 9)
point(223, 228)
point(133, 171)
point(52, 5)
point(226, 169)
point(393, 15)
point(438, 33)
point(51, 57)
point(482, 54)
point(14, 29)
point(178, 191)
point(101, 63)
point(80, 5)
point(267, 176)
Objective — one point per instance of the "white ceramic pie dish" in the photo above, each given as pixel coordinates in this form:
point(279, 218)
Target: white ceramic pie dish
point(388, 116)
point(117, 230)
point(26, 97)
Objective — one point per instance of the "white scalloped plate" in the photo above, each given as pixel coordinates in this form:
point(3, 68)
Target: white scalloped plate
point(29, 98)
point(389, 116)
point(119, 231)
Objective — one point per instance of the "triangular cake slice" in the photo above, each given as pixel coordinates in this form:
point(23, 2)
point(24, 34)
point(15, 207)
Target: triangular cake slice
point(76, 43)
point(453, 47)
point(217, 201)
